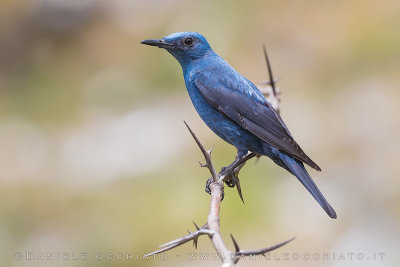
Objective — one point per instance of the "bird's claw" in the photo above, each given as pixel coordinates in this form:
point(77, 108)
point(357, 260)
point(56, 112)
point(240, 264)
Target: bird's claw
point(208, 183)
point(230, 175)
point(233, 181)
point(208, 189)
point(230, 183)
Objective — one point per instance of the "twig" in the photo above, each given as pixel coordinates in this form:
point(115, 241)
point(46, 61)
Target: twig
point(240, 253)
point(217, 190)
point(206, 153)
point(212, 228)
point(180, 241)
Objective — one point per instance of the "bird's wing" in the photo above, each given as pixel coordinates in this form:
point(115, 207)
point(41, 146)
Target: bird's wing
point(238, 100)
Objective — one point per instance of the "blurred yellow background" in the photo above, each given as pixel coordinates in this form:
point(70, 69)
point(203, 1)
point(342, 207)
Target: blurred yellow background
point(95, 158)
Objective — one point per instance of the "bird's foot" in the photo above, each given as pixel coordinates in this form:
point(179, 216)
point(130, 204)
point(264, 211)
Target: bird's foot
point(229, 170)
point(233, 180)
point(208, 189)
point(230, 183)
point(230, 174)
point(208, 183)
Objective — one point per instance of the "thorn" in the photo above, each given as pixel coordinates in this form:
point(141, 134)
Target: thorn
point(239, 189)
point(195, 242)
point(206, 154)
point(197, 227)
point(271, 78)
point(278, 245)
point(210, 150)
point(202, 165)
point(237, 249)
point(269, 82)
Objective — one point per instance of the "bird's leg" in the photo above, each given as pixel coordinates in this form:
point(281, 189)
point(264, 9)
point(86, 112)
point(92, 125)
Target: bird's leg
point(228, 170)
point(236, 165)
point(230, 173)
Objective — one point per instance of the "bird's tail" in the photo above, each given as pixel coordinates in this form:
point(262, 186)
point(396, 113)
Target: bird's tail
point(297, 169)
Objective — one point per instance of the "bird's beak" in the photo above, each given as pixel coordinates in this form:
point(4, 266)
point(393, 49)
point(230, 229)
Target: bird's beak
point(157, 42)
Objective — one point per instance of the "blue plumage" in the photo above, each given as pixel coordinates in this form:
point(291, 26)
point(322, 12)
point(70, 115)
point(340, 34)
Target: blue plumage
point(235, 109)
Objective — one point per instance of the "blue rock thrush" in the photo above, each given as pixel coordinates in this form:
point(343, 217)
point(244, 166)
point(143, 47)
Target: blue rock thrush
point(236, 110)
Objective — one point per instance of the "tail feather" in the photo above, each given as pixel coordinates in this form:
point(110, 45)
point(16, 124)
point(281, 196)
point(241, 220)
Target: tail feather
point(297, 168)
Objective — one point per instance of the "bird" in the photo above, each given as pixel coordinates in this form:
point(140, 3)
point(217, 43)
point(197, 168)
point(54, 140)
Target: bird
point(236, 110)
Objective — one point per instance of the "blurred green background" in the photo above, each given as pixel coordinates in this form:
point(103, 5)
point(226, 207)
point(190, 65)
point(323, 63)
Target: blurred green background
point(95, 158)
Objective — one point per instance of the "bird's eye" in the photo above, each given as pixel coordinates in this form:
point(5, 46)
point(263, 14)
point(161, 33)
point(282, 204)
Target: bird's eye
point(188, 41)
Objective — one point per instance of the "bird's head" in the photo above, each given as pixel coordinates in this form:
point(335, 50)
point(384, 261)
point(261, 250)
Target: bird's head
point(184, 46)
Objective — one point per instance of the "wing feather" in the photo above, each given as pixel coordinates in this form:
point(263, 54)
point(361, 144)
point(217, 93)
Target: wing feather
point(251, 113)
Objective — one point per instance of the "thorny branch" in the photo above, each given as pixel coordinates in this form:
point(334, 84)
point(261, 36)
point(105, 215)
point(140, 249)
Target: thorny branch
point(212, 228)
point(242, 253)
point(271, 92)
point(215, 185)
point(206, 153)
point(180, 241)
